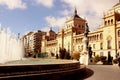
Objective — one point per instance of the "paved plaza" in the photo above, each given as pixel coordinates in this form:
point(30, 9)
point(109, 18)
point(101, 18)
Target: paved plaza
point(104, 72)
point(96, 72)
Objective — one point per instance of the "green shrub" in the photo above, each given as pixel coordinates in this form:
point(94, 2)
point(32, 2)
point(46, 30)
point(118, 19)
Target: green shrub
point(103, 58)
point(42, 55)
point(52, 54)
point(64, 54)
point(115, 61)
point(67, 55)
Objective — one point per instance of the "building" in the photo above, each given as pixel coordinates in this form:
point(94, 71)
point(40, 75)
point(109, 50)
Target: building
point(104, 41)
point(32, 42)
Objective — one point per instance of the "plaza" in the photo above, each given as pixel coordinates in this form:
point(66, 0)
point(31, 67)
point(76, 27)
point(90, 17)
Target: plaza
point(103, 43)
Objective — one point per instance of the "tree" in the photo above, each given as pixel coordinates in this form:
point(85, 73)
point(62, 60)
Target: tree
point(64, 54)
point(67, 55)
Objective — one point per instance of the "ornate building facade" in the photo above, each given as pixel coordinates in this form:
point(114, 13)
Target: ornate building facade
point(104, 41)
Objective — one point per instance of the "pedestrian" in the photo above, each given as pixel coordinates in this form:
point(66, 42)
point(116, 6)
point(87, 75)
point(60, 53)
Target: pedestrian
point(56, 56)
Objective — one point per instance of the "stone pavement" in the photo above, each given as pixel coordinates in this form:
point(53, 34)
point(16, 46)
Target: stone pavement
point(104, 72)
point(96, 72)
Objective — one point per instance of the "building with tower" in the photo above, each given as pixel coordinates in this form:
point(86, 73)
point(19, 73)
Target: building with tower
point(64, 38)
point(104, 41)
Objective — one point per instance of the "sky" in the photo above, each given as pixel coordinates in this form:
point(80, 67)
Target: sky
point(22, 16)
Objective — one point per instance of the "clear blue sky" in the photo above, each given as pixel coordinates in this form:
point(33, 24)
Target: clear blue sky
point(29, 15)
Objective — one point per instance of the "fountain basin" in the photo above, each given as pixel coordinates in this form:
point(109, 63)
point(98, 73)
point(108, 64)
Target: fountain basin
point(37, 66)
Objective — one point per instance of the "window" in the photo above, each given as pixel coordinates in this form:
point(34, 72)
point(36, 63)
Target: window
point(111, 21)
point(119, 44)
point(79, 32)
point(71, 25)
point(94, 53)
point(73, 48)
point(89, 45)
point(97, 37)
point(93, 46)
point(118, 33)
point(109, 44)
point(78, 47)
point(108, 22)
point(75, 25)
point(105, 22)
point(101, 46)
point(68, 48)
point(101, 53)
point(82, 27)
point(81, 47)
point(101, 36)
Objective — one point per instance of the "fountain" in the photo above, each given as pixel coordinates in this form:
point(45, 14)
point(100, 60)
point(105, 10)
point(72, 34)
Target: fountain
point(10, 47)
point(13, 66)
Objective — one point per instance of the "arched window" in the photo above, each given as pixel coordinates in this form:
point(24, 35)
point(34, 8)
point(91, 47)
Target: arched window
point(101, 36)
point(119, 44)
point(111, 21)
point(101, 46)
point(78, 47)
point(93, 46)
point(108, 22)
point(101, 53)
point(109, 44)
point(97, 37)
point(81, 47)
point(75, 25)
point(118, 33)
point(82, 27)
point(105, 22)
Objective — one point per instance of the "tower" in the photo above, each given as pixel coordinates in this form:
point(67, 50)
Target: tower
point(74, 25)
point(76, 22)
